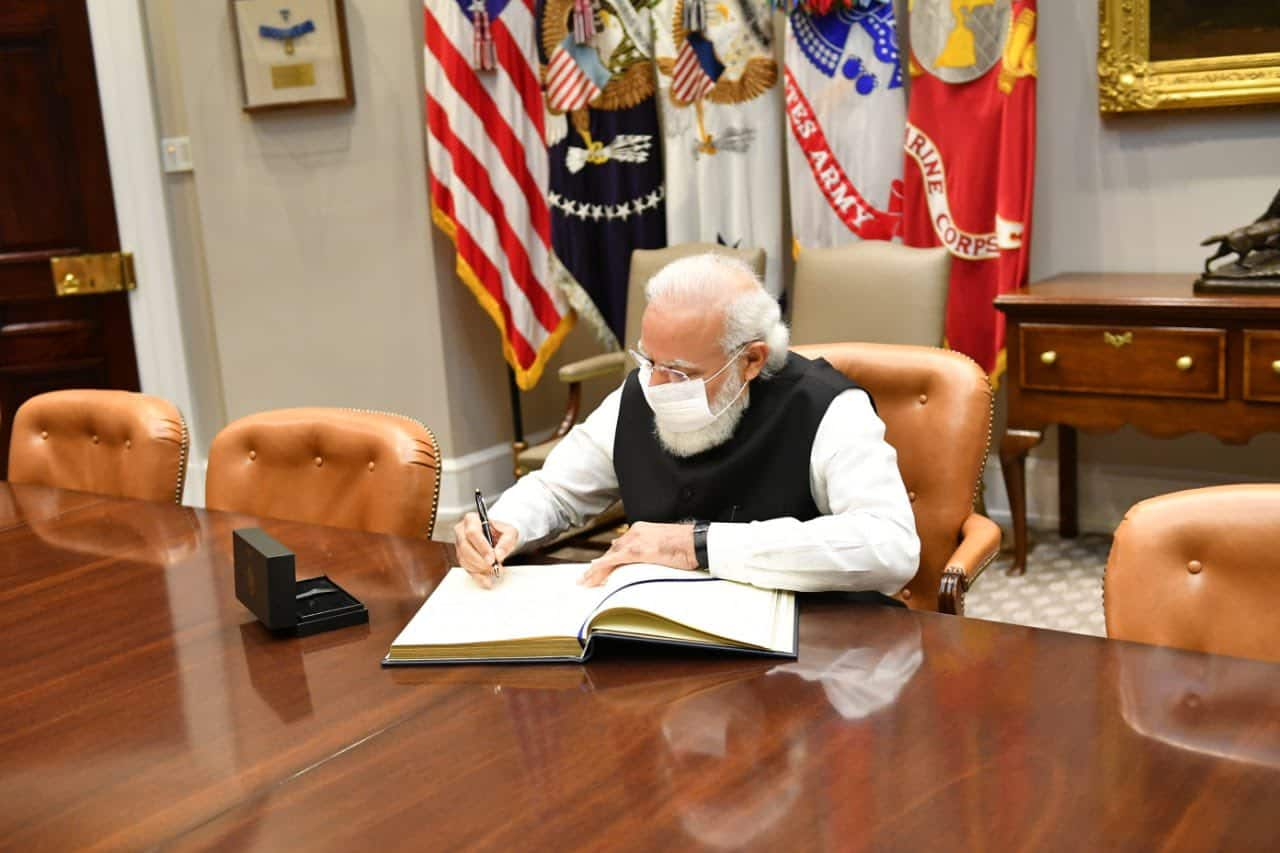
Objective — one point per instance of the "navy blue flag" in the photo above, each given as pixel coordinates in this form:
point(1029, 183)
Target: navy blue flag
point(606, 189)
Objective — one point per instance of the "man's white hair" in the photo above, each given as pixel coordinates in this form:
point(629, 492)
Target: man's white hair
point(752, 315)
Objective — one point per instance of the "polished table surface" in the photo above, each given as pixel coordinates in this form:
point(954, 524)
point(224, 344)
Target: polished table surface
point(143, 706)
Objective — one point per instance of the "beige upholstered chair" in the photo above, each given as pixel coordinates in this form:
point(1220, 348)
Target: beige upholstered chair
point(645, 263)
point(936, 408)
point(1198, 570)
point(362, 470)
point(873, 291)
point(116, 443)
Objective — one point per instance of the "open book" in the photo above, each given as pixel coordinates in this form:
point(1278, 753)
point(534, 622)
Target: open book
point(541, 613)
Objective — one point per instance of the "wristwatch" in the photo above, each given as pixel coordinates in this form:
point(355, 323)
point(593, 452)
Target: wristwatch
point(700, 529)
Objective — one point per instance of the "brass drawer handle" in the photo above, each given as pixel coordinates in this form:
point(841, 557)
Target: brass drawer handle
point(1185, 363)
point(1049, 357)
point(1275, 366)
point(1118, 339)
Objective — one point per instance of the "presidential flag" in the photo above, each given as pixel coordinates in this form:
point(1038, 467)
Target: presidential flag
point(722, 142)
point(488, 170)
point(846, 114)
point(970, 157)
point(606, 193)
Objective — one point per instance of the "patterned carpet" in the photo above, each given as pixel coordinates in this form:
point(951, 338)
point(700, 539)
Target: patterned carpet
point(1062, 589)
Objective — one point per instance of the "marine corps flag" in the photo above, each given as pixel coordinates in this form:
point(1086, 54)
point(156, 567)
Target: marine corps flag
point(970, 156)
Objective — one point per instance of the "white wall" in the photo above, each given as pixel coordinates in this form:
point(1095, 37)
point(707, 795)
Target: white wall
point(307, 255)
point(1136, 193)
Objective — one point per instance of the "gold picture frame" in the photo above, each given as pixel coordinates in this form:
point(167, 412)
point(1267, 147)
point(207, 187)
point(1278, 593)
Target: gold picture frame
point(1130, 80)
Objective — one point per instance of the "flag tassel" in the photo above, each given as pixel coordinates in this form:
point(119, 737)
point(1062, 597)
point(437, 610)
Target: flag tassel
point(695, 16)
point(584, 21)
point(483, 57)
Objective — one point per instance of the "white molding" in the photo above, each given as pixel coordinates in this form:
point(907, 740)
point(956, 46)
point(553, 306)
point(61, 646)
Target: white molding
point(193, 490)
point(129, 120)
point(489, 469)
point(1104, 492)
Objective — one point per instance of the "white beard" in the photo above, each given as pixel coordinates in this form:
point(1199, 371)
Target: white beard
point(718, 431)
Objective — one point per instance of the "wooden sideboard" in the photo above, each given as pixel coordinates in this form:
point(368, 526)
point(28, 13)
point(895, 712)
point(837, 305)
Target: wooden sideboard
point(1101, 351)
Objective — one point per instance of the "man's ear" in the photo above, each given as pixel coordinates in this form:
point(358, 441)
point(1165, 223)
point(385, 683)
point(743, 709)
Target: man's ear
point(757, 354)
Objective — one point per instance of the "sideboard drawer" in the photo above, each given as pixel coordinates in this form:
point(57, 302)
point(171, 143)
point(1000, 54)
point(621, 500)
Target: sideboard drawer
point(1262, 366)
point(1142, 360)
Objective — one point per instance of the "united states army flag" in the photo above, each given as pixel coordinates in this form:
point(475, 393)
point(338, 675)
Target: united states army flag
point(845, 116)
point(719, 99)
point(970, 156)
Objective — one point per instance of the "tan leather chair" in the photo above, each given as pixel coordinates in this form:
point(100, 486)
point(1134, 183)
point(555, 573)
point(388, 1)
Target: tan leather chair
point(872, 291)
point(645, 264)
point(118, 443)
point(1199, 570)
point(371, 471)
point(936, 408)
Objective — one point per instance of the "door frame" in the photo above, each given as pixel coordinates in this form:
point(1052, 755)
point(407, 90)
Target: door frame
point(121, 60)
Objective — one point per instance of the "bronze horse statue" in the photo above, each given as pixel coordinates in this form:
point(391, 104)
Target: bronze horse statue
point(1261, 235)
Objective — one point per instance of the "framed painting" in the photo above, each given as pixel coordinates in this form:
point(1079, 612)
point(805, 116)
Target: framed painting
point(293, 53)
point(1177, 54)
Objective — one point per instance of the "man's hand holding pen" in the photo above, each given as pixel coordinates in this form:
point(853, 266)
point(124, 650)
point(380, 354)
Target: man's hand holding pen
point(474, 552)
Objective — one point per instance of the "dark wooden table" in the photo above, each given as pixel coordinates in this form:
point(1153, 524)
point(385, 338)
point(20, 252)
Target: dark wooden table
point(142, 706)
point(1100, 351)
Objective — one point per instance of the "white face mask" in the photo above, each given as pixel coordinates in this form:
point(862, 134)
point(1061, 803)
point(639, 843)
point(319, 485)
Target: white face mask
point(682, 406)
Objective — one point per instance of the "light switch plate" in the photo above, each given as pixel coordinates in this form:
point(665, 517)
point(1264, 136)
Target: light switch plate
point(176, 153)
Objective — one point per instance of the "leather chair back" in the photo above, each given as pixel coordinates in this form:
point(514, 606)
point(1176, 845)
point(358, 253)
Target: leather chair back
point(1198, 570)
point(369, 471)
point(645, 264)
point(872, 291)
point(118, 443)
point(936, 408)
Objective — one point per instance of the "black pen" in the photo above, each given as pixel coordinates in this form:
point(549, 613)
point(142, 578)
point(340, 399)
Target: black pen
point(488, 530)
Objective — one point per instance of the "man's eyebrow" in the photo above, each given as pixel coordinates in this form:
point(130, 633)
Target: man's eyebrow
point(677, 363)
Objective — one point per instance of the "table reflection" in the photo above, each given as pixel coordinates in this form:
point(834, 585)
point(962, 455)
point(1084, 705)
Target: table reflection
point(860, 681)
point(1208, 704)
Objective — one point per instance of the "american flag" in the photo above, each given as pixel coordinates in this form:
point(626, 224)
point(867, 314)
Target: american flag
point(696, 70)
point(487, 163)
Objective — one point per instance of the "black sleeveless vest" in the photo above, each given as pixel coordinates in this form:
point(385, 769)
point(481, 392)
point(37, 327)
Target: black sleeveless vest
point(762, 472)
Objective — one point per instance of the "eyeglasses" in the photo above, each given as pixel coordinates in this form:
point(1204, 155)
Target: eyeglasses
point(672, 374)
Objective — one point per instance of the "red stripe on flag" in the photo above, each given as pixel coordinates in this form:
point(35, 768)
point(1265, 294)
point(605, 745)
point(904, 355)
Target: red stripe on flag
point(463, 80)
point(485, 271)
point(514, 61)
point(476, 178)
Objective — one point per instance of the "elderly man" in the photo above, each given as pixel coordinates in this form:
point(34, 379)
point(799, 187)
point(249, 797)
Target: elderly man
point(730, 454)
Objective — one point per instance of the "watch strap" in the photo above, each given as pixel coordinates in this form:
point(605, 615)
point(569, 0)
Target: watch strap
point(700, 529)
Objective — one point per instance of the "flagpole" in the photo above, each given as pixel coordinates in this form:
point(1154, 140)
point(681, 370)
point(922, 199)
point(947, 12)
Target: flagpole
point(517, 419)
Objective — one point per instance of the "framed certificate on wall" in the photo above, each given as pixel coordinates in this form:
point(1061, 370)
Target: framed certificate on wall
point(293, 53)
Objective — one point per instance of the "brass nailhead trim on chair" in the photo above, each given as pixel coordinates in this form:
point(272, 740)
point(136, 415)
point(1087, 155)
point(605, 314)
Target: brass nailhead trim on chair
point(911, 496)
point(1194, 567)
point(924, 398)
point(370, 466)
point(44, 434)
point(435, 446)
point(253, 454)
point(319, 461)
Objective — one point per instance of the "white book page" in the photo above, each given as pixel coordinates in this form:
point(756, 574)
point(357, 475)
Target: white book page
point(527, 602)
point(744, 614)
